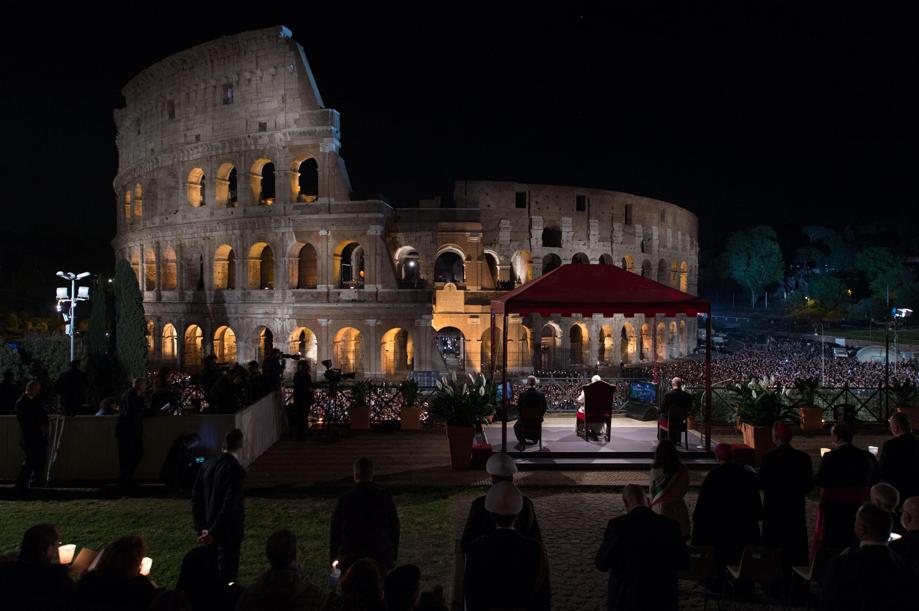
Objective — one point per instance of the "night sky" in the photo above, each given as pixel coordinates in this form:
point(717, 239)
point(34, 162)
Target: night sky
point(742, 114)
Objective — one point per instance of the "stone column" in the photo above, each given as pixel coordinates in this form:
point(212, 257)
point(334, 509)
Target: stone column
point(373, 345)
point(615, 358)
point(595, 326)
point(324, 260)
point(372, 256)
point(324, 341)
point(474, 261)
point(424, 343)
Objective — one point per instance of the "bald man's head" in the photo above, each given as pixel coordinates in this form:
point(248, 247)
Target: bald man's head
point(910, 517)
point(633, 496)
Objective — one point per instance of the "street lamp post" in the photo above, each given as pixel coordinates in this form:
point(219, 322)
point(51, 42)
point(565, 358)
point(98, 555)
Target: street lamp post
point(71, 298)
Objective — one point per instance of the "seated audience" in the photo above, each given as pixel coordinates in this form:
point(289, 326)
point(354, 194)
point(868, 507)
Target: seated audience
point(108, 407)
point(669, 484)
point(507, 559)
point(885, 496)
point(32, 580)
point(908, 545)
point(283, 586)
point(899, 460)
point(871, 576)
point(642, 552)
point(116, 581)
point(201, 581)
point(402, 588)
point(502, 468)
point(361, 589)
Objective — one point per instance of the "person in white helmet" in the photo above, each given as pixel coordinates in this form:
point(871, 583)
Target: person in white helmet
point(502, 468)
point(595, 429)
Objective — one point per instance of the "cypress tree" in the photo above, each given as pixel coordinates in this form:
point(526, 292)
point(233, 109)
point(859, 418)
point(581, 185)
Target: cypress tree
point(130, 325)
point(96, 340)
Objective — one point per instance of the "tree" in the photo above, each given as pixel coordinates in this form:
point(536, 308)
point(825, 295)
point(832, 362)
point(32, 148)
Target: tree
point(754, 259)
point(130, 324)
point(97, 336)
point(883, 270)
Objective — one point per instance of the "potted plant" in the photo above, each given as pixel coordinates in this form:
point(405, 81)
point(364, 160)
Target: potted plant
point(904, 396)
point(460, 404)
point(410, 413)
point(805, 390)
point(359, 410)
point(760, 407)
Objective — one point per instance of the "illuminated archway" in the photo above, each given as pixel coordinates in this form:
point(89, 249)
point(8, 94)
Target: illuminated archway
point(684, 277)
point(522, 264)
point(674, 347)
point(261, 181)
point(193, 348)
point(195, 189)
point(261, 266)
point(605, 345)
point(490, 276)
point(628, 263)
point(347, 350)
point(550, 261)
point(450, 266)
point(661, 342)
point(138, 202)
point(148, 335)
point(305, 181)
point(304, 266)
point(302, 341)
point(170, 345)
point(127, 207)
point(451, 344)
point(646, 342)
point(396, 352)
point(224, 267)
point(349, 265)
point(168, 273)
point(579, 340)
point(628, 346)
point(408, 267)
point(580, 259)
point(684, 347)
point(265, 343)
point(225, 345)
point(149, 270)
point(550, 342)
point(226, 190)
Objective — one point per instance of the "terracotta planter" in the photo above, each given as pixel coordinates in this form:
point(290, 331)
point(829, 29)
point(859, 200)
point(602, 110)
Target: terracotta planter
point(811, 418)
point(460, 440)
point(410, 418)
point(360, 418)
point(913, 413)
point(759, 438)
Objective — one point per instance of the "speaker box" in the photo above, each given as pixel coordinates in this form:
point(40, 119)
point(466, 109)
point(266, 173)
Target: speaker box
point(641, 411)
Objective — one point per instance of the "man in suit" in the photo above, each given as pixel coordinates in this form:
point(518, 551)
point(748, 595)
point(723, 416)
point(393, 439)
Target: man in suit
point(682, 401)
point(529, 398)
point(129, 430)
point(365, 523)
point(504, 569)
point(908, 545)
point(899, 460)
point(34, 580)
point(33, 435)
point(846, 474)
point(871, 575)
point(642, 552)
point(218, 507)
point(502, 468)
point(728, 510)
point(786, 476)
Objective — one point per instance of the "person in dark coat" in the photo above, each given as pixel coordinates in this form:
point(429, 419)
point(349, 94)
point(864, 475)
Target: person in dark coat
point(643, 553)
point(303, 399)
point(908, 545)
point(846, 474)
point(786, 476)
point(180, 468)
point(129, 430)
point(33, 435)
point(71, 387)
point(273, 369)
point(728, 510)
point(201, 582)
point(504, 569)
point(899, 461)
point(529, 398)
point(255, 383)
point(365, 523)
point(9, 394)
point(871, 575)
point(283, 587)
point(218, 507)
point(502, 468)
point(116, 582)
point(224, 395)
point(677, 398)
point(33, 580)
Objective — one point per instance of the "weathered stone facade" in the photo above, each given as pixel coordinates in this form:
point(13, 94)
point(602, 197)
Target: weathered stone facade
point(234, 208)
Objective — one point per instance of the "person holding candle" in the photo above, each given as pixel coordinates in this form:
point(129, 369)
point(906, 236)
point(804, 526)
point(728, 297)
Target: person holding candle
point(117, 581)
point(31, 580)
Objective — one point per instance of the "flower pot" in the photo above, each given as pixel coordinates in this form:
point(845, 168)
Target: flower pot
point(811, 418)
point(759, 438)
point(913, 413)
point(410, 418)
point(360, 417)
point(460, 440)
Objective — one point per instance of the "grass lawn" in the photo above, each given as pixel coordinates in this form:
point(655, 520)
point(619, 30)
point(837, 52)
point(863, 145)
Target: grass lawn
point(166, 523)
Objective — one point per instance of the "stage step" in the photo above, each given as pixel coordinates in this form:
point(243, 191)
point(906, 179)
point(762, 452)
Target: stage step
point(604, 461)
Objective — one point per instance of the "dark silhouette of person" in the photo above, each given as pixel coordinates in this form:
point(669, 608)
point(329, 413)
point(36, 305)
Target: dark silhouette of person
point(908, 545)
point(9, 394)
point(129, 430)
point(899, 461)
point(218, 506)
point(303, 399)
point(677, 398)
point(529, 398)
point(255, 383)
point(202, 583)
point(365, 522)
point(643, 552)
point(71, 387)
point(33, 580)
point(116, 582)
point(283, 587)
point(224, 395)
point(273, 369)
point(33, 435)
point(180, 467)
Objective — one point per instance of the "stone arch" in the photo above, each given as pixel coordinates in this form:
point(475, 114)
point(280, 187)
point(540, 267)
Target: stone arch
point(451, 345)
point(522, 264)
point(662, 271)
point(193, 347)
point(265, 342)
point(646, 269)
point(550, 343)
point(628, 263)
point(605, 345)
point(347, 350)
point(138, 202)
point(170, 345)
point(226, 190)
point(674, 347)
point(661, 342)
point(225, 267)
point(261, 266)
point(303, 341)
point(628, 346)
point(261, 181)
point(225, 344)
point(303, 266)
point(580, 259)
point(684, 278)
point(490, 274)
point(684, 347)
point(349, 265)
point(645, 346)
point(169, 271)
point(135, 267)
point(486, 349)
point(606, 259)
point(149, 269)
point(127, 207)
point(550, 261)
point(195, 189)
point(579, 341)
point(304, 180)
point(675, 274)
point(642, 247)
point(396, 352)
point(450, 266)
point(552, 237)
point(192, 268)
point(408, 267)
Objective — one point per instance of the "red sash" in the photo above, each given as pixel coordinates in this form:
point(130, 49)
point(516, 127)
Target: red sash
point(852, 495)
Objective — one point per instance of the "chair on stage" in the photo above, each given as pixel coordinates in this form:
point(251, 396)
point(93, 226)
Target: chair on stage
point(598, 408)
point(673, 425)
point(530, 418)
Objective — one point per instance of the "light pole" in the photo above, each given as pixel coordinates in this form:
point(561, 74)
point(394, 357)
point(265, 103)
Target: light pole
point(71, 298)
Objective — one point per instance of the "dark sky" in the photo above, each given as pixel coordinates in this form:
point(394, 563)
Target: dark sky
point(775, 113)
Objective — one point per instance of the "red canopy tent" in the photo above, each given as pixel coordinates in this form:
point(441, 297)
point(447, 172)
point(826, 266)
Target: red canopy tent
point(598, 289)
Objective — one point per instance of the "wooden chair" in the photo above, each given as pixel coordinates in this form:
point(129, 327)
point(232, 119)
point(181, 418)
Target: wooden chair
point(703, 569)
point(674, 424)
point(530, 418)
point(758, 564)
point(598, 406)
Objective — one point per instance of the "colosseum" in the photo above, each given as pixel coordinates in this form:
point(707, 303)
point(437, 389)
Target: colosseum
point(234, 209)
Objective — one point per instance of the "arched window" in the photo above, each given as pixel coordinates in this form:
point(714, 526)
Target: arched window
point(662, 271)
point(347, 350)
point(307, 181)
point(226, 193)
point(606, 259)
point(645, 353)
point(684, 347)
point(675, 274)
point(138, 202)
point(168, 273)
point(605, 345)
point(522, 264)
point(149, 270)
point(641, 247)
point(628, 263)
point(303, 273)
point(261, 266)
point(450, 267)
point(451, 344)
point(684, 277)
point(628, 346)
point(552, 237)
point(193, 348)
point(135, 267)
point(195, 188)
point(170, 343)
point(408, 268)
point(674, 348)
point(151, 327)
point(350, 265)
point(224, 268)
point(225, 345)
point(265, 343)
point(580, 258)
point(302, 341)
point(261, 180)
point(396, 352)
point(549, 343)
point(580, 345)
point(486, 350)
point(661, 342)
point(646, 269)
point(550, 262)
point(490, 271)
point(127, 207)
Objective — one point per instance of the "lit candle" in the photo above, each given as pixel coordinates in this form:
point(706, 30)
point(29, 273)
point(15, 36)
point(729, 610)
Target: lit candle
point(145, 565)
point(823, 451)
point(65, 553)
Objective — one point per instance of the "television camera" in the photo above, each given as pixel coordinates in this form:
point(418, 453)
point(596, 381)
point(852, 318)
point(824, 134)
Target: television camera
point(333, 374)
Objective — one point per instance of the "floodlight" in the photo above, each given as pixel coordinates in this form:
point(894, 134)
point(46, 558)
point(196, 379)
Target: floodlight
point(62, 293)
point(83, 292)
point(62, 275)
point(82, 275)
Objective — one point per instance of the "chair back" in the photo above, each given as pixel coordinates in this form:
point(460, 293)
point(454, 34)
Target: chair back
point(703, 565)
point(763, 564)
point(598, 400)
point(531, 417)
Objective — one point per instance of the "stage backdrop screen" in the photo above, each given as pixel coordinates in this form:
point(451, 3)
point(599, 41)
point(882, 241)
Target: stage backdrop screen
point(643, 392)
